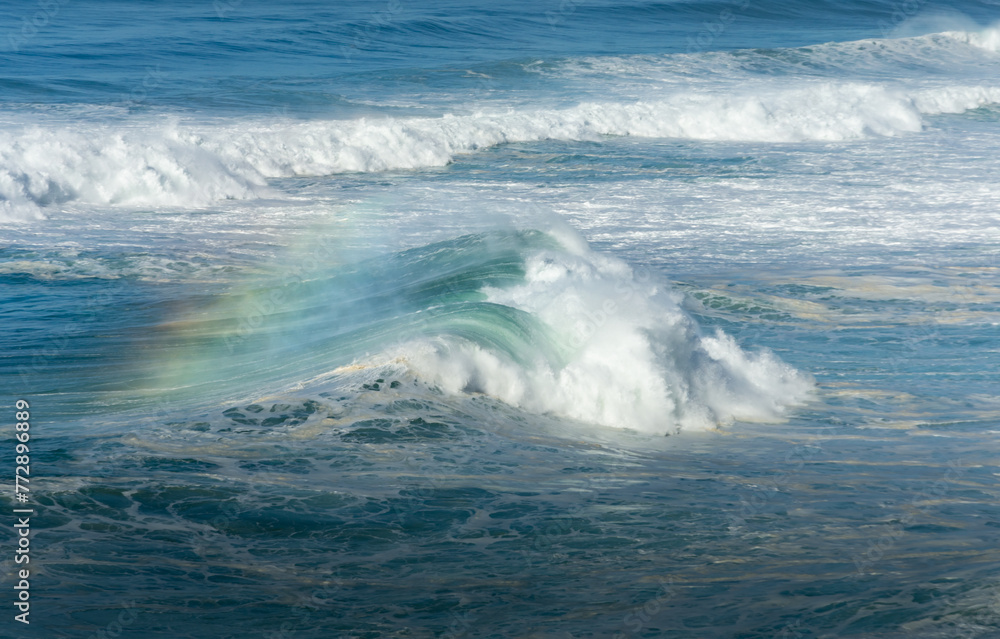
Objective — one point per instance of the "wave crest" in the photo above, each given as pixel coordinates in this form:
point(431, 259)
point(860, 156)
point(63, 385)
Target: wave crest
point(628, 354)
point(988, 39)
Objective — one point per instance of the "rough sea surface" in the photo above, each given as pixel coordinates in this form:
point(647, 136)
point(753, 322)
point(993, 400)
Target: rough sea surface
point(466, 319)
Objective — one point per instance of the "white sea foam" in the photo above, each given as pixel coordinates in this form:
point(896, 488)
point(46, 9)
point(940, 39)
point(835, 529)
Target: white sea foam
point(139, 166)
point(159, 163)
point(950, 56)
point(633, 357)
point(987, 39)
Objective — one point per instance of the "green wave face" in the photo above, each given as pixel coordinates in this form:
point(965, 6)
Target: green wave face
point(284, 332)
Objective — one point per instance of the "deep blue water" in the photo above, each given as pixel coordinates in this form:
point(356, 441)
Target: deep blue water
point(506, 319)
point(244, 56)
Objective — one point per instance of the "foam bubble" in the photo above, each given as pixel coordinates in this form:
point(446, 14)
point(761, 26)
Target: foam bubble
point(142, 166)
point(988, 39)
point(631, 357)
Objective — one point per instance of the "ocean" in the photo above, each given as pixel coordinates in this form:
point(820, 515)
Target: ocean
point(500, 319)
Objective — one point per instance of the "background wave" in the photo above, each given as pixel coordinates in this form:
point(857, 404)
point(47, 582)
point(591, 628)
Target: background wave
point(166, 161)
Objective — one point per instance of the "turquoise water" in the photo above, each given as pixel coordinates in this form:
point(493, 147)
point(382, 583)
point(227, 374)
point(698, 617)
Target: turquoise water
point(569, 320)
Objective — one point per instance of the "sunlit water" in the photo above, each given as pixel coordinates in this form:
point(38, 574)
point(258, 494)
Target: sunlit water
point(479, 321)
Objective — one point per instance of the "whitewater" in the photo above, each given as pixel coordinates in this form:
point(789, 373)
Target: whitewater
point(168, 161)
point(493, 320)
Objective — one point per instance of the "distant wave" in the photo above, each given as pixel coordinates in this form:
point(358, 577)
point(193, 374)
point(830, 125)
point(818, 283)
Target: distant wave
point(174, 164)
point(945, 54)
